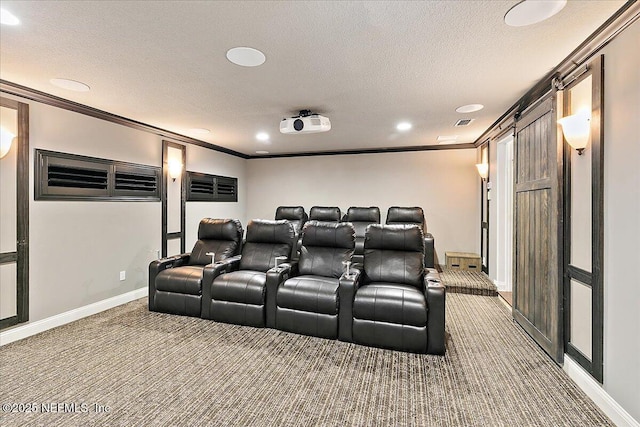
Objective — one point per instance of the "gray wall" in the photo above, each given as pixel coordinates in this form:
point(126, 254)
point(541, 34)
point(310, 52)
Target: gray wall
point(444, 183)
point(77, 249)
point(622, 220)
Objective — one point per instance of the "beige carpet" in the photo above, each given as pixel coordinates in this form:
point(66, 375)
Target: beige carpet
point(155, 369)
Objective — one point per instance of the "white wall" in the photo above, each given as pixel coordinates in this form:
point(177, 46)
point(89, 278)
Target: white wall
point(622, 220)
point(77, 249)
point(444, 183)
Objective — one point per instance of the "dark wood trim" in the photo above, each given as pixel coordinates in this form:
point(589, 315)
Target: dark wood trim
point(597, 215)
point(595, 278)
point(45, 98)
point(23, 212)
point(484, 224)
point(9, 321)
point(371, 151)
point(21, 255)
point(579, 357)
point(576, 59)
point(183, 193)
point(8, 257)
point(582, 276)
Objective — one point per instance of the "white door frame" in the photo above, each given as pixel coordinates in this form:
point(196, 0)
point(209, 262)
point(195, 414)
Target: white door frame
point(504, 217)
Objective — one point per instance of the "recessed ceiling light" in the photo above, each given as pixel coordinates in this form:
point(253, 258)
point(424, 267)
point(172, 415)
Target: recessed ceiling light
point(447, 137)
point(470, 108)
point(70, 85)
point(262, 136)
point(529, 12)
point(199, 131)
point(403, 126)
point(246, 56)
point(262, 152)
point(8, 18)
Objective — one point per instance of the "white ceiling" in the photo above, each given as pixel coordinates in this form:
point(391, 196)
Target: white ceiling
point(365, 65)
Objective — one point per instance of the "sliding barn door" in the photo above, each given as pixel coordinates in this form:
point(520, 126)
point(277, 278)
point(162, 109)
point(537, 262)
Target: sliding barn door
point(538, 228)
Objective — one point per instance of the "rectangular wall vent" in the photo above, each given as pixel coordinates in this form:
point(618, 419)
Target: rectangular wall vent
point(464, 122)
point(211, 188)
point(62, 176)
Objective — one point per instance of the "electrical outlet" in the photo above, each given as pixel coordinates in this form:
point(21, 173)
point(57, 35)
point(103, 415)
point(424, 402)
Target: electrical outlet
point(123, 275)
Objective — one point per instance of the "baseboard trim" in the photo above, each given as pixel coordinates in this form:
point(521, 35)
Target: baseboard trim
point(600, 397)
point(24, 331)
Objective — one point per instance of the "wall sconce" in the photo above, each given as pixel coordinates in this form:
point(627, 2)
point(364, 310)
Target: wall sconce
point(577, 129)
point(483, 170)
point(6, 138)
point(175, 169)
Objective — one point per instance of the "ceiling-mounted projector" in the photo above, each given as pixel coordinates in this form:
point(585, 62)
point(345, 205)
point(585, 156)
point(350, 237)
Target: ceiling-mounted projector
point(306, 122)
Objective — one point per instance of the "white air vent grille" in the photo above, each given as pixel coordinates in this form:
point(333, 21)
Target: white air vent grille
point(464, 122)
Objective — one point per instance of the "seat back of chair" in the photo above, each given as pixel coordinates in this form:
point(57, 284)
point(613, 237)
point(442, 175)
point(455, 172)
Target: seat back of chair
point(265, 241)
point(325, 213)
point(294, 214)
point(220, 236)
point(394, 253)
point(406, 215)
point(325, 246)
point(361, 218)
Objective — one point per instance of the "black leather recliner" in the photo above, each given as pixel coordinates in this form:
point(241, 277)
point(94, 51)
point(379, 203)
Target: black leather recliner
point(360, 218)
point(309, 303)
point(396, 303)
point(325, 213)
point(235, 291)
point(175, 283)
point(296, 216)
point(414, 215)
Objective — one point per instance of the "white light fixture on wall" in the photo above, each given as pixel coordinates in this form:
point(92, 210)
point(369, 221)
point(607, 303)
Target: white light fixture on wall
point(483, 170)
point(577, 129)
point(6, 138)
point(175, 168)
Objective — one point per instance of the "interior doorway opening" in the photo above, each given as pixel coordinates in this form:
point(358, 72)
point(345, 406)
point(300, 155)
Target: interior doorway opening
point(504, 190)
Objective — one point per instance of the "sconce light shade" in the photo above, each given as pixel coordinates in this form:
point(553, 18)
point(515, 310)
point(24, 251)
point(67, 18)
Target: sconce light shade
point(6, 138)
point(576, 129)
point(175, 168)
point(483, 170)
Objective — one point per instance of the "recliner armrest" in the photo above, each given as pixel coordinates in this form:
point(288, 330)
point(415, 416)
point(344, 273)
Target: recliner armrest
point(275, 277)
point(348, 285)
point(435, 295)
point(209, 274)
point(429, 251)
point(159, 265)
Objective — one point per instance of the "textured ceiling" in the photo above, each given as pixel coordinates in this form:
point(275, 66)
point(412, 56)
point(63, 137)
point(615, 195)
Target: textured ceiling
point(365, 65)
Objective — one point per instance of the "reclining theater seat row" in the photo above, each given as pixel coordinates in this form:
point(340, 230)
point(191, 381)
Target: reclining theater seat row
point(391, 302)
point(360, 217)
point(175, 283)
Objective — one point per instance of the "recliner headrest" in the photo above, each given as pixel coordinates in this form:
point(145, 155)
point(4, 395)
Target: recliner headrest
point(325, 213)
point(371, 214)
point(396, 237)
point(291, 213)
point(267, 231)
point(333, 235)
point(405, 215)
point(220, 229)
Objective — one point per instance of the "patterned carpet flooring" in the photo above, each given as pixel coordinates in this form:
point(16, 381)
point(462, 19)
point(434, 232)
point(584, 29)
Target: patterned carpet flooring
point(152, 369)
